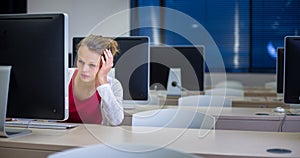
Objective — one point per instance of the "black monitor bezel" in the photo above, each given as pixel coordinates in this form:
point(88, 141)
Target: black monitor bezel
point(163, 68)
point(291, 91)
point(279, 70)
point(30, 101)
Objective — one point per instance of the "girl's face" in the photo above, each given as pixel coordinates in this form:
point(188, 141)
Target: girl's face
point(88, 64)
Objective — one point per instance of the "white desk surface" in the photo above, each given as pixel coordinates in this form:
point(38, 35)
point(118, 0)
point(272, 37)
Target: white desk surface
point(217, 143)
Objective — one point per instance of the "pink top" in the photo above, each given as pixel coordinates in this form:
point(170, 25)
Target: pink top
point(84, 111)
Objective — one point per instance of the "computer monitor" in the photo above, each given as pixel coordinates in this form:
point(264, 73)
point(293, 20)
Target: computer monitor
point(190, 60)
point(291, 91)
point(75, 42)
point(34, 62)
point(131, 67)
point(279, 70)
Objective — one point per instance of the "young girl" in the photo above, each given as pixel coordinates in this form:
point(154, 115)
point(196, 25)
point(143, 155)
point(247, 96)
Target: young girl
point(94, 97)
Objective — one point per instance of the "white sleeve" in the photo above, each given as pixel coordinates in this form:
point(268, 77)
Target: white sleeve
point(111, 102)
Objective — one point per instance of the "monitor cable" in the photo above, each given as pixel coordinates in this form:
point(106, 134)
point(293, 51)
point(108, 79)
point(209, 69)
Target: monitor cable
point(280, 128)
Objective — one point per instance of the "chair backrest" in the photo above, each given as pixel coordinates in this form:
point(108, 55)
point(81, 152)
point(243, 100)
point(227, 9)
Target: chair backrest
point(205, 100)
point(225, 92)
point(174, 118)
point(120, 151)
point(230, 84)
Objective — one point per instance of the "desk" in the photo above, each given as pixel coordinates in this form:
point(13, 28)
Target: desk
point(257, 91)
point(261, 92)
point(256, 101)
point(246, 101)
point(250, 119)
point(217, 143)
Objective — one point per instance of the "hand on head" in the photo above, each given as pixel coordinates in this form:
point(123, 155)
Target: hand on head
point(106, 63)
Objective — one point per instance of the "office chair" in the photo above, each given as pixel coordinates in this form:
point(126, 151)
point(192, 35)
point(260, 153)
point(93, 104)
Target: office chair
point(205, 101)
point(174, 118)
point(230, 84)
point(120, 151)
point(225, 92)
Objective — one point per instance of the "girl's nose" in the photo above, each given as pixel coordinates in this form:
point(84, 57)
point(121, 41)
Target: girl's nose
point(85, 67)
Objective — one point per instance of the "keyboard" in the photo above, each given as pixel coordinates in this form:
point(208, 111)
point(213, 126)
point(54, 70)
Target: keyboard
point(39, 124)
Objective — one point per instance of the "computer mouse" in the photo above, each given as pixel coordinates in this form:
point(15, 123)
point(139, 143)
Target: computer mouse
point(279, 110)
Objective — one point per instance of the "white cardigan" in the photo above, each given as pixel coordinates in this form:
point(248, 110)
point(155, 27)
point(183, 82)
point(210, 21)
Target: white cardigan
point(111, 100)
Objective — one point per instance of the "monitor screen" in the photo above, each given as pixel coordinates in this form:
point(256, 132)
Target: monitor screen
point(75, 42)
point(35, 46)
point(279, 70)
point(291, 92)
point(131, 66)
point(190, 59)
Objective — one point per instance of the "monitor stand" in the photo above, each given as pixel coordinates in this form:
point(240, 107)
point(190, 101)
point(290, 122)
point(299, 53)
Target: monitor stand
point(174, 82)
point(4, 86)
point(279, 97)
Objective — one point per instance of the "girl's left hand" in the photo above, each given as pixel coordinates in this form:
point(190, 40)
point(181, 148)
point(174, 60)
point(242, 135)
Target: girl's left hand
point(105, 66)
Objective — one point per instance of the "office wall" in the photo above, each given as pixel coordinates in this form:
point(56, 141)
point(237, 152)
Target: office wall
point(85, 15)
point(105, 17)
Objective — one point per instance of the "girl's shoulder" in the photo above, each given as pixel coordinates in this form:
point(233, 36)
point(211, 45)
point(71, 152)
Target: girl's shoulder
point(71, 70)
point(113, 80)
point(70, 73)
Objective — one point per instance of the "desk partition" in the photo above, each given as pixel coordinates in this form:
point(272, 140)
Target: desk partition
point(238, 118)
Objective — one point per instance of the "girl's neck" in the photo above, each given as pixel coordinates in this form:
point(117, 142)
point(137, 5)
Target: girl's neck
point(83, 90)
point(84, 85)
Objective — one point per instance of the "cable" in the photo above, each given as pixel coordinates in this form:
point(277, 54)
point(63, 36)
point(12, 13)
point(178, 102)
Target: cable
point(175, 84)
point(280, 128)
point(28, 123)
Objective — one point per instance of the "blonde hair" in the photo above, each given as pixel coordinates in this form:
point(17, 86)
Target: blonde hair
point(98, 44)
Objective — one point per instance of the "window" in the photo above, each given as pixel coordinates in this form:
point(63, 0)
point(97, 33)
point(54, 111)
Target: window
point(246, 32)
point(271, 22)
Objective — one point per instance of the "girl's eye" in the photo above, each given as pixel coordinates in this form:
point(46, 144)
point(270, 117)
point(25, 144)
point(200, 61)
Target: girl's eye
point(80, 61)
point(92, 65)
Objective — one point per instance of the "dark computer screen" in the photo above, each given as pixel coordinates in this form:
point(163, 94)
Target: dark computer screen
point(35, 46)
point(190, 59)
point(291, 86)
point(279, 69)
point(131, 66)
point(75, 42)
